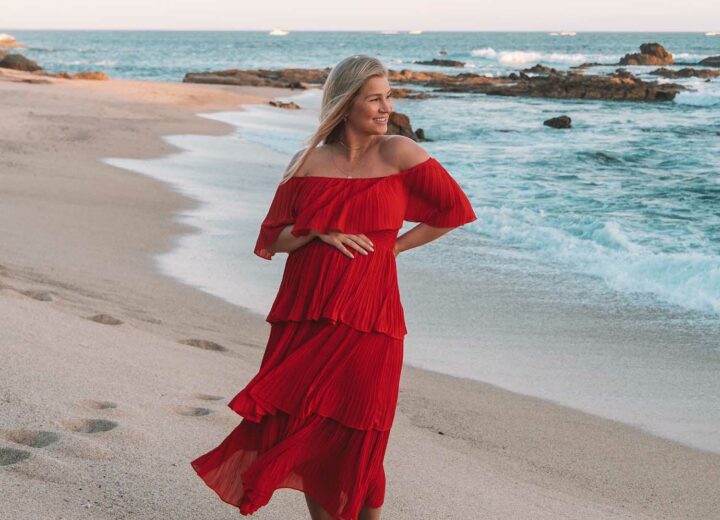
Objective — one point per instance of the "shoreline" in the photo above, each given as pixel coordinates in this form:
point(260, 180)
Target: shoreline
point(532, 459)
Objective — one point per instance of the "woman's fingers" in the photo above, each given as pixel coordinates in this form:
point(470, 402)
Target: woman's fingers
point(344, 250)
point(355, 243)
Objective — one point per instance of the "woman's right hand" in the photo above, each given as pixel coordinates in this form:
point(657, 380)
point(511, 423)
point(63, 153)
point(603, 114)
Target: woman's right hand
point(360, 242)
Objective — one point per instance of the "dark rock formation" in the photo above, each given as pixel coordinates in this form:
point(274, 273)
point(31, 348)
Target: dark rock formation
point(686, 73)
point(399, 124)
point(442, 63)
point(650, 54)
point(284, 78)
point(712, 61)
point(588, 64)
point(91, 74)
point(291, 105)
point(541, 69)
point(558, 122)
point(621, 85)
point(407, 93)
point(19, 62)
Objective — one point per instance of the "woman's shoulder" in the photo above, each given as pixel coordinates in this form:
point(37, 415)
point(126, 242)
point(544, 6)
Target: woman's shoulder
point(402, 152)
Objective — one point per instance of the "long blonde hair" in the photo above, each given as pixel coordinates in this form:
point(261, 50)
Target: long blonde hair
point(341, 87)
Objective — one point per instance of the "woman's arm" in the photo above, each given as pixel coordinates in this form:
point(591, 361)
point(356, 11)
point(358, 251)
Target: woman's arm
point(287, 242)
point(418, 236)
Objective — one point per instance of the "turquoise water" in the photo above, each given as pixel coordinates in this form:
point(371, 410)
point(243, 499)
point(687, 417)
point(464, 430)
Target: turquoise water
point(630, 195)
point(592, 275)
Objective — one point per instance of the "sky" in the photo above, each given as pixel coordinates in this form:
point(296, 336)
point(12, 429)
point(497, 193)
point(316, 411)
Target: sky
point(372, 15)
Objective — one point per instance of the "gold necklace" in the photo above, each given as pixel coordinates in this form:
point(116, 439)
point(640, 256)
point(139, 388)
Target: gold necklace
point(347, 148)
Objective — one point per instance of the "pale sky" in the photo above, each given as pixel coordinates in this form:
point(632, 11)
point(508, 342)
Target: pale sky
point(374, 15)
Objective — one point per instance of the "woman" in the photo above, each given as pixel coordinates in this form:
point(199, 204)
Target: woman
point(317, 415)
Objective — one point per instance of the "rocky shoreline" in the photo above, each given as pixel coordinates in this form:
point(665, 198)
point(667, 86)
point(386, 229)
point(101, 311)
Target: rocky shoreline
point(537, 81)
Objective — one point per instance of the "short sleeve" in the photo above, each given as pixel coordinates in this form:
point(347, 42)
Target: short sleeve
point(280, 215)
point(435, 198)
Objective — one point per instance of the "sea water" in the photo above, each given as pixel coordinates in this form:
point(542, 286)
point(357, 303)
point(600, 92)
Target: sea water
point(592, 275)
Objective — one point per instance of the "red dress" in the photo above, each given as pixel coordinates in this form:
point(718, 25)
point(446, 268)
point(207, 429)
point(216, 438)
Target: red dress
point(318, 413)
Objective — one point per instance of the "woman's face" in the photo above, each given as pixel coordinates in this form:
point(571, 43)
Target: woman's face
point(371, 107)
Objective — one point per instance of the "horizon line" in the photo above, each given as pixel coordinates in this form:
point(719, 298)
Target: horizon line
point(696, 31)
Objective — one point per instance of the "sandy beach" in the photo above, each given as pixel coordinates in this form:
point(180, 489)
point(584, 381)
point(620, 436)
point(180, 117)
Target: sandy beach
point(100, 416)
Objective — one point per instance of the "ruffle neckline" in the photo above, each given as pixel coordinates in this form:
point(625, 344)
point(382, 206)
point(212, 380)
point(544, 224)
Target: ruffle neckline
point(396, 174)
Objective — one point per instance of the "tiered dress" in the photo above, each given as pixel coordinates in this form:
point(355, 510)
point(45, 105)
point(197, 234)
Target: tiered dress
point(317, 415)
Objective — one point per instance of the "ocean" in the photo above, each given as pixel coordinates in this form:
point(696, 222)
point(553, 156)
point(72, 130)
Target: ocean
point(592, 275)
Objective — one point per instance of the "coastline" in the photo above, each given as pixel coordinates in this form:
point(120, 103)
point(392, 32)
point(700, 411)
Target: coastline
point(94, 230)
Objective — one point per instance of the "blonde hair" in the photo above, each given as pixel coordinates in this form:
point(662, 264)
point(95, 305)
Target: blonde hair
point(341, 87)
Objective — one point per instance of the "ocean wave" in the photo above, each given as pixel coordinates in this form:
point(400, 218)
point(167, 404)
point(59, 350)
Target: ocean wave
point(525, 57)
point(698, 99)
point(688, 56)
point(604, 249)
point(487, 52)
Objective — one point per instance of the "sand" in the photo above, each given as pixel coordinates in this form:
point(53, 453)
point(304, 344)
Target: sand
point(104, 401)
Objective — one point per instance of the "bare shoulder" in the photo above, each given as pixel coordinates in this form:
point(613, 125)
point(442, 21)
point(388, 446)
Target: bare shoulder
point(402, 152)
point(307, 165)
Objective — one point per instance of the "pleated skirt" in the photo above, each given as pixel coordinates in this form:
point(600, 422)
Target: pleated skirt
point(316, 418)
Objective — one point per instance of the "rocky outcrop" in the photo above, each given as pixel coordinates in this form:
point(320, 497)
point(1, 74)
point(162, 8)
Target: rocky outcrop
point(280, 104)
point(407, 93)
point(19, 62)
point(712, 61)
point(540, 69)
point(91, 74)
point(7, 41)
point(650, 54)
point(549, 83)
point(284, 78)
point(686, 73)
point(558, 122)
point(399, 124)
point(621, 86)
point(442, 63)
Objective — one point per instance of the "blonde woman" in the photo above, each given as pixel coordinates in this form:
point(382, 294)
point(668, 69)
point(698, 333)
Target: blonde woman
point(317, 415)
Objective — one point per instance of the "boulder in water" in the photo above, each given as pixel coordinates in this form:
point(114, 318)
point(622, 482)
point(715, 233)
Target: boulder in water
point(8, 41)
point(19, 62)
point(558, 122)
point(650, 54)
point(712, 61)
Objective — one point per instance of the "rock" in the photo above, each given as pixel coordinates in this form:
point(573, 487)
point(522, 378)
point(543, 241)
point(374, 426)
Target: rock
point(407, 93)
point(558, 122)
point(284, 78)
point(587, 64)
point(442, 63)
point(573, 86)
point(94, 75)
point(620, 86)
point(7, 40)
point(686, 73)
point(291, 105)
point(19, 62)
point(650, 54)
point(444, 53)
point(540, 69)
point(399, 124)
point(712, 61)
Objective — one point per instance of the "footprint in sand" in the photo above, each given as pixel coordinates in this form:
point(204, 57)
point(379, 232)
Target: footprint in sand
point(32, 438)
point(206, 397)
point(105, 319)
point(191, 411)
point(203, 344)
point(10, 456)
point(87, 425)
point(43, 296)
point(97, 405)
